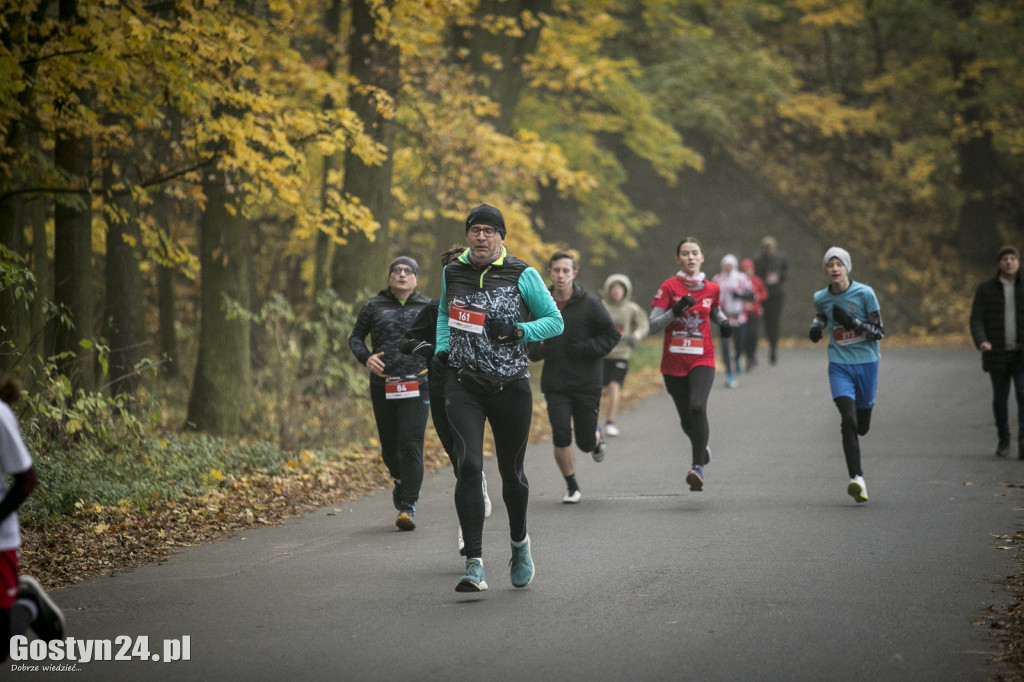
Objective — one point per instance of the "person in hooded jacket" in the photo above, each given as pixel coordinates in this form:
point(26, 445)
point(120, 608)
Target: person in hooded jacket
point(631, 321)
point(398, 382)
point(571, 378)
point(736, 290)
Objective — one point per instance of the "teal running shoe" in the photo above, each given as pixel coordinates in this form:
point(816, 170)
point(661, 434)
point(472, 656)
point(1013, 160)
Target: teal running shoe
point(473, 581)
point(521, 565)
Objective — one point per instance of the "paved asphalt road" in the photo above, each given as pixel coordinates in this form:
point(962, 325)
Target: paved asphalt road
point(771, 573)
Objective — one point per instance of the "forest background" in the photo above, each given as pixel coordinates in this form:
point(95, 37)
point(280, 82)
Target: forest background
point(196, 196)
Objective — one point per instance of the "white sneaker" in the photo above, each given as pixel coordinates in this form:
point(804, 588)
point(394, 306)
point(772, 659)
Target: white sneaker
point(487, 499)
point(857, 489)
point(572, 498)
point(611, 429)
point(462, 543)
point(50, 623)
point(599, 451)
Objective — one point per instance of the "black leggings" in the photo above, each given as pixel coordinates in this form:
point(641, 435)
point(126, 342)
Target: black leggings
point(400, 427)
point(439, 415)
point(853, 424)
point(509, 411)
point(690, 394)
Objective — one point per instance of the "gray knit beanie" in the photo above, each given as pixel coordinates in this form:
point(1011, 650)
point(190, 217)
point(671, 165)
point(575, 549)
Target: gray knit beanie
point(841, 254)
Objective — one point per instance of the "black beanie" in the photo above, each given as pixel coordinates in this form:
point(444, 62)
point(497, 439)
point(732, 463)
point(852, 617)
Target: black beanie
point(1008, 249)
point(485, 214)
point(405, 260)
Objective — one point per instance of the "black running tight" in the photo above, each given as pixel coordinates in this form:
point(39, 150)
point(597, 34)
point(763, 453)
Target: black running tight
point(509, 411)
point(690, 394)
point(853, 424)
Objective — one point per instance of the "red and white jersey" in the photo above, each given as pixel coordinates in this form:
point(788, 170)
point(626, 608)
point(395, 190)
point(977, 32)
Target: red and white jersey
point(688, 342)
point(731, 285)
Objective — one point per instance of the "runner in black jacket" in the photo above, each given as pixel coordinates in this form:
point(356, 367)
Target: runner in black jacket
point(571, 378)
point(398, 383)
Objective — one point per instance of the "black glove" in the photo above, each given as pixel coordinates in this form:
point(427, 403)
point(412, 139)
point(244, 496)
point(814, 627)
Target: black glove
point(683, 304)
point(416, 347)
point(726, 329)
point(439, 364)
point(815, 334)
point(500, 331)
point(843, 318)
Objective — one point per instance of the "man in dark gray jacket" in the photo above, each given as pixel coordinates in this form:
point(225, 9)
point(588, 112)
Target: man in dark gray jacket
point(997, 327)
point(398, 382)
point(571, 378)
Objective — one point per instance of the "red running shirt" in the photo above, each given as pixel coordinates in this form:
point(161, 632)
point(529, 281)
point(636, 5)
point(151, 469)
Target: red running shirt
point(688, 342)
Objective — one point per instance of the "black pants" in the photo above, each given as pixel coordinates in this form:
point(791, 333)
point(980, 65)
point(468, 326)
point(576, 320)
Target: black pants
point(439, 415)
point(752, 337)
point(772, 316)
point(400, 427)
point(509, 411)
point(1001, 381)
point(690, 394)
point(570, 411)
point(853, 423)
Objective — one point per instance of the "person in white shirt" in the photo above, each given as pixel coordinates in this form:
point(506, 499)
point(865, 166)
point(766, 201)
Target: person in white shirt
point(736, 289)
point(23, 603)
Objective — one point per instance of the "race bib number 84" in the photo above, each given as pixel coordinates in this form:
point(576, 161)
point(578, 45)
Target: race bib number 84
point(396, 388)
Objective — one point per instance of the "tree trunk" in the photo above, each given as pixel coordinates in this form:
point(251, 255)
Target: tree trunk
point(361, 263)
point(170, 368)
point(72, 250)
point(322, 248)
point(124, 327)
point(222, 391)
point(14, 311)
point(73, 268)
point(977, 228)
point(503, 84)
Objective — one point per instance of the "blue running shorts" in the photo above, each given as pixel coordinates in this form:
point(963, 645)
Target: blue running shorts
point(854, 381)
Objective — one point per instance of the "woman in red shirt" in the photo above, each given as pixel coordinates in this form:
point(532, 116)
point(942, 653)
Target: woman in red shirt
point(684, 308)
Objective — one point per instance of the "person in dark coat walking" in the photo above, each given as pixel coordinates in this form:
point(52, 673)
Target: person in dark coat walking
point(571, 378)
point(997, 327)
point(773, 269)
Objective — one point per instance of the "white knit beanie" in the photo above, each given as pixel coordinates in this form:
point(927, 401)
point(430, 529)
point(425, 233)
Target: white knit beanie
point(841, 254)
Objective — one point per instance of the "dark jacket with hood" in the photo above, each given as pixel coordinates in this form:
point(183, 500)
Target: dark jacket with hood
point(572, 361)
